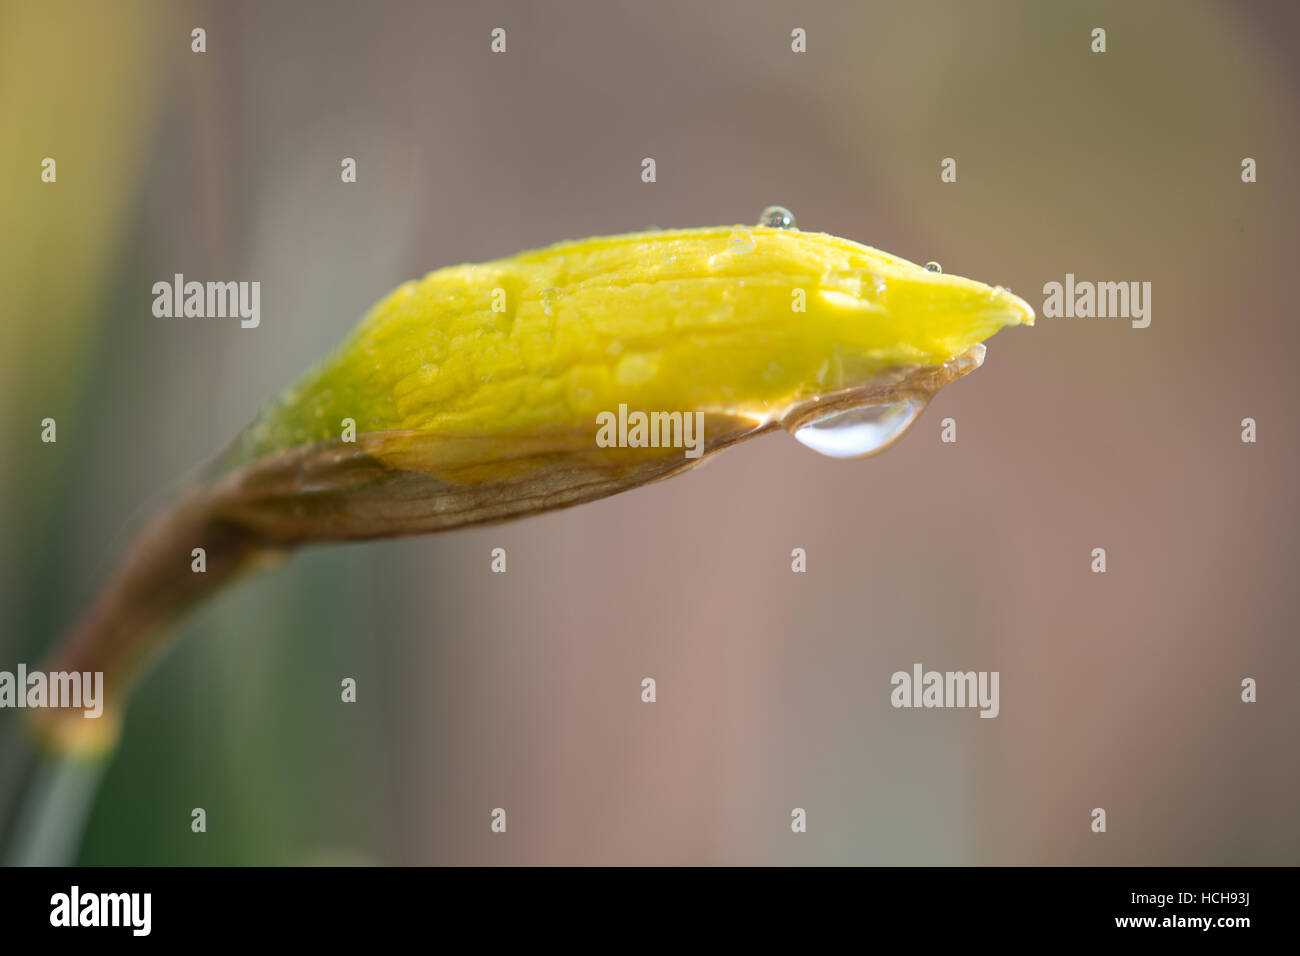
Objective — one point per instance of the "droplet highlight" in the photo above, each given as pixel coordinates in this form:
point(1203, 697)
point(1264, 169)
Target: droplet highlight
point(859, 432)
point(933, 266)
point(777, 217)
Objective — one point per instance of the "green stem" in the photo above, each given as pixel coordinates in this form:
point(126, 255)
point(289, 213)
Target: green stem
point(48, 808)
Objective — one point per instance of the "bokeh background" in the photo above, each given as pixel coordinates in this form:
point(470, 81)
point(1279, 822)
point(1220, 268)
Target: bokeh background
point(522, 690)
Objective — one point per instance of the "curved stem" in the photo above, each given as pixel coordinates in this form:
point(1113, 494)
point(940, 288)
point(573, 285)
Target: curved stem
point(153, 584)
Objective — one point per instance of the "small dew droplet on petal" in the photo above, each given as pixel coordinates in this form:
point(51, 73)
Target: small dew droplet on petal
point(741, 241)
point(550, 297)
point(777, 217)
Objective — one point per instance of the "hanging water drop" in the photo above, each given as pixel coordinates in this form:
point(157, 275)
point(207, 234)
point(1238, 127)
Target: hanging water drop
point(860, 431)
point(933, 266)
point(777, 217)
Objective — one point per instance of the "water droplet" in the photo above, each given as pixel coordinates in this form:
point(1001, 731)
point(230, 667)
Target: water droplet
point(859, 431)
point(848, 281)
point(549, 299)
point(636, 368)
point(777, 217)
point(741, 240)
point(967, 361)
point(933, 266)
point(831, 373)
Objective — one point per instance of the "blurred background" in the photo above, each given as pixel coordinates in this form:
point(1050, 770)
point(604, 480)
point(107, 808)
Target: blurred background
point(522, 691)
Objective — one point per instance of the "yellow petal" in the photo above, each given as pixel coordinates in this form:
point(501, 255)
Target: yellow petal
point(690, 320)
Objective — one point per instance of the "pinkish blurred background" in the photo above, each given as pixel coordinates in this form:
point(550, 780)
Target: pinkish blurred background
point(475, 691)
